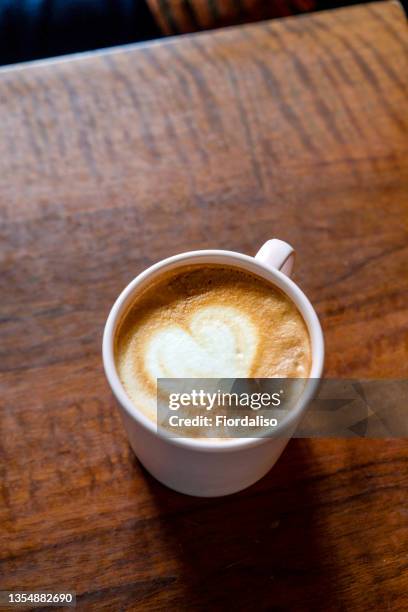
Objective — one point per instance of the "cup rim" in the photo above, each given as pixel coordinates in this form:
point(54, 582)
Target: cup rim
point(252, 264)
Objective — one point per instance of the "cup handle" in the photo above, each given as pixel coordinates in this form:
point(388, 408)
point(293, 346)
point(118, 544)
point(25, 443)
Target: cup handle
point(277, 254)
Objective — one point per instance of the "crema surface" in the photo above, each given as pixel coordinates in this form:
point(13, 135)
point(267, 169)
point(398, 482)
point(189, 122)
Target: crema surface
point(208, 322)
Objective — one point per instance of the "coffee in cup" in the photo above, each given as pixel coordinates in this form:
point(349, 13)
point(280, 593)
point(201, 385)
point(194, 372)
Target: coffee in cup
point(208, 321)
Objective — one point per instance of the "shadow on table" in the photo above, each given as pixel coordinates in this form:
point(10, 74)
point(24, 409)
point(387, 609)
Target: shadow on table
point(263, 547)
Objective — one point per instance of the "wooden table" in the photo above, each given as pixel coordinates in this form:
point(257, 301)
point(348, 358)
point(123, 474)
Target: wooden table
point(111, 161)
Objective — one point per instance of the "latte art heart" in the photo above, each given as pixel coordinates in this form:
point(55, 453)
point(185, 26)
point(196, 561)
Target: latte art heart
point(219, 342)
point(208, 321)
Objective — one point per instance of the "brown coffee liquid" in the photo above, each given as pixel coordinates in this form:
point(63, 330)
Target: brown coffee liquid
point(209, 321)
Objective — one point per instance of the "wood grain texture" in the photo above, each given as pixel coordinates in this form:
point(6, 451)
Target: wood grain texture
point(109, 162)
point(180, 16)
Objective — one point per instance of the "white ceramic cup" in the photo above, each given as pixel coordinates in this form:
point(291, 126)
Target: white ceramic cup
point(202, 467)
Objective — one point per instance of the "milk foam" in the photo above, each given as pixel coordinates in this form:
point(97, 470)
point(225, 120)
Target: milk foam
point(209, 322)
point(220, 342)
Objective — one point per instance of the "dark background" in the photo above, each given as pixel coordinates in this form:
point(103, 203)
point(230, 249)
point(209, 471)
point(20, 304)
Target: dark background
point(33, 29)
